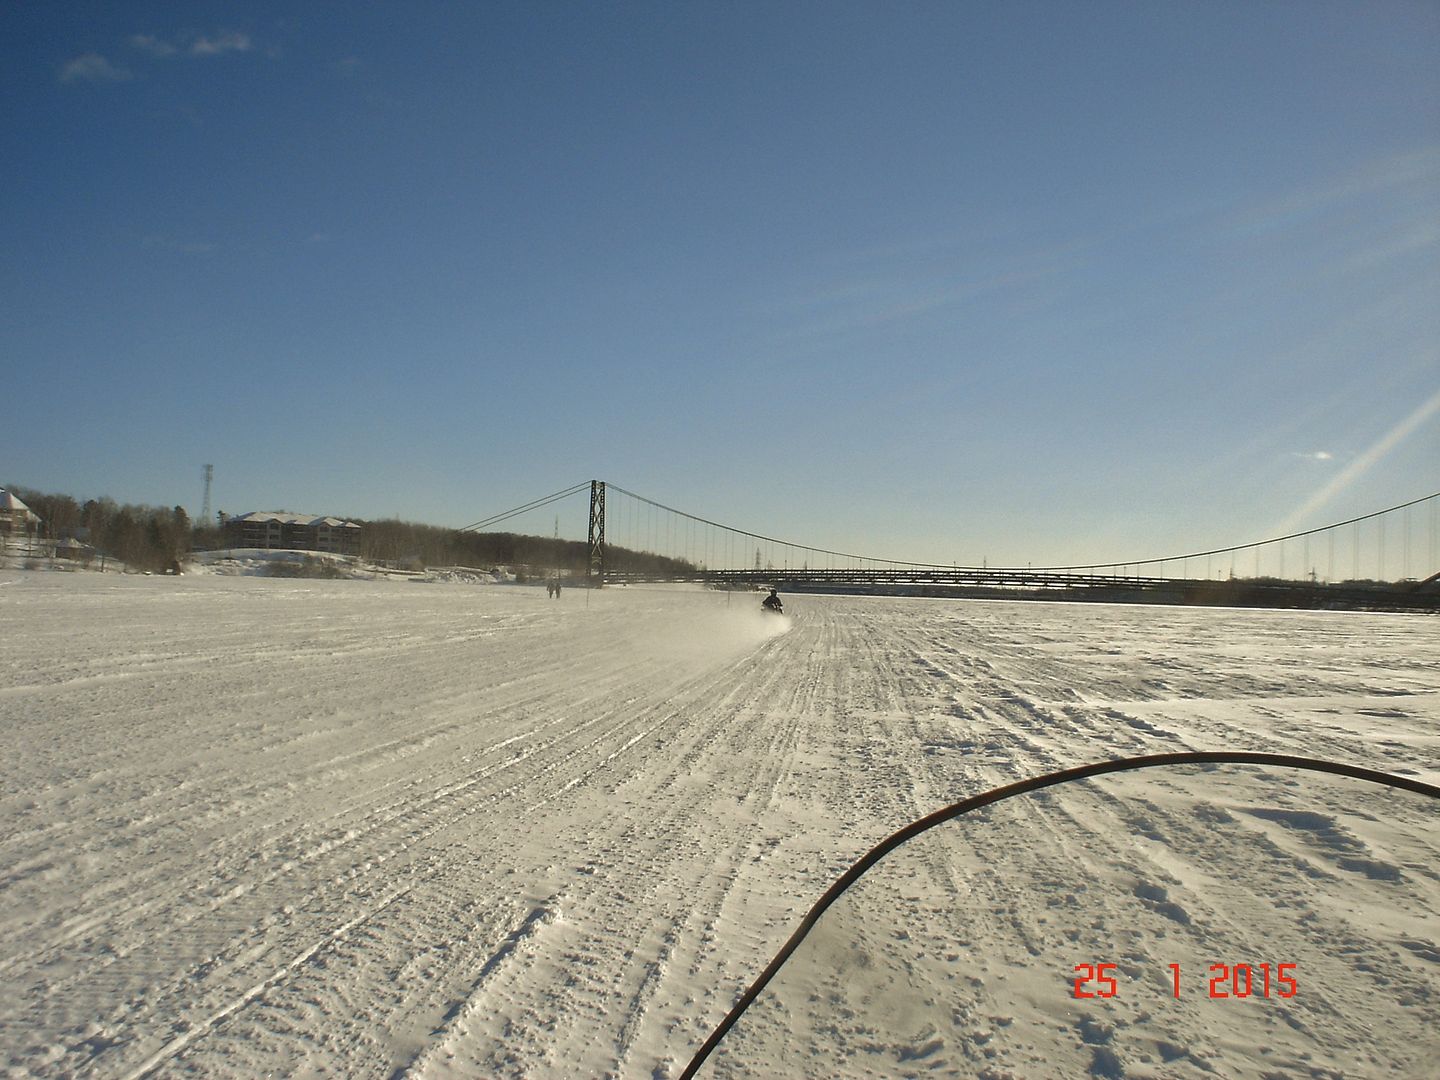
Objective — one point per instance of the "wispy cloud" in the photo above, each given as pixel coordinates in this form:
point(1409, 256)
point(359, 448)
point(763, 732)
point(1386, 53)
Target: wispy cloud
point(150, 44)
point(1373, 180)
point(907, 281)
point(1416, 237)
point(1313, 455)
point(92, 67)
point(221, 43)
point(191, 43)
point(183, 247)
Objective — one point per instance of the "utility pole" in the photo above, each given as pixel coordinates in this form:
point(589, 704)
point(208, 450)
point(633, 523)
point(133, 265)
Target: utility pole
point(205, 508)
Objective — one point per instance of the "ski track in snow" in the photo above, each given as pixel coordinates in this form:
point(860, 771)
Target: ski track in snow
point(251, 826)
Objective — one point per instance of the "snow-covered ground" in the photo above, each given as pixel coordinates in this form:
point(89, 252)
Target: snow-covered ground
point(255, 826)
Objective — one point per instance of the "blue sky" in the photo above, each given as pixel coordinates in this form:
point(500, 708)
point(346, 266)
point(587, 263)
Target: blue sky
point(1041, 282)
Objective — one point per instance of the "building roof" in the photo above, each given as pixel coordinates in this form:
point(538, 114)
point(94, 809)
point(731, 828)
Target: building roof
point(11, 504)
point(259, 516)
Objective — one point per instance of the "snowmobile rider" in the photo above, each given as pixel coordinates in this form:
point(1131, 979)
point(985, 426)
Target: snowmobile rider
point(772, 603)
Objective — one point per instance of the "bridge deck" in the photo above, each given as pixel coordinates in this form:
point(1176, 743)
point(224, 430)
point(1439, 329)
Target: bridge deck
point(1018, 584)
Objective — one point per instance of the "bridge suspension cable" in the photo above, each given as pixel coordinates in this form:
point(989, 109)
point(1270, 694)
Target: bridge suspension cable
point(648, 537)
point(535, 504)
point(1252, 544)
point(1130, 565)
point(772, 540)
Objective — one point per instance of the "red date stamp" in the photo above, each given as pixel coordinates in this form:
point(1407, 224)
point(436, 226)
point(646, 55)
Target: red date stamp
point(1225, 980)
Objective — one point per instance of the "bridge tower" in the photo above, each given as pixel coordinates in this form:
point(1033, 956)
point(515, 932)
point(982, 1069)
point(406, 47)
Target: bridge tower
point(597, 532)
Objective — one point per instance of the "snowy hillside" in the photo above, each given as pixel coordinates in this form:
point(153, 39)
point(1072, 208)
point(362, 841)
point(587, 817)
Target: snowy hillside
point(256, 826)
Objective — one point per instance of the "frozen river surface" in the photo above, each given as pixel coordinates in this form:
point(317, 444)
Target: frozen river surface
point(369, 829)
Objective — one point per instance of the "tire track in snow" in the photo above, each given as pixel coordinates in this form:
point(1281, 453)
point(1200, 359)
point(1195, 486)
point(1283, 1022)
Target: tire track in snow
point(334, 847)
point(280, 864)
point(522, 938)
point(180, 1042)
point(623, 901)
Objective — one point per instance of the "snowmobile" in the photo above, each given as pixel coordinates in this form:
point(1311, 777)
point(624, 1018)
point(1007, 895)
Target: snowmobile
point(772, 604)
point(1179, 915)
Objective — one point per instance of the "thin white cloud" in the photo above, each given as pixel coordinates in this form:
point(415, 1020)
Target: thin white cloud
point(183, 247)
point(1422, 236)
point(149, 43)
point(907, 281)
point(1314, 455)
point(192, 44)
point(1377, 178)
point(229, 41)
point(92, 67)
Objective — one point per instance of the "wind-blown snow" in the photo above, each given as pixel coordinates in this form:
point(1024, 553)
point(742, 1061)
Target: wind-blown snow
point(253, 826)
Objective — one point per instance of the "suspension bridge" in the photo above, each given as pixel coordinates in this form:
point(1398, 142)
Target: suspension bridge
point(1388, 560)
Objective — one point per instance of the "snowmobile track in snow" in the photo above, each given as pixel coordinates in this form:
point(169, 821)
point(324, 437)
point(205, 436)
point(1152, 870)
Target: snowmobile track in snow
point(377, 830)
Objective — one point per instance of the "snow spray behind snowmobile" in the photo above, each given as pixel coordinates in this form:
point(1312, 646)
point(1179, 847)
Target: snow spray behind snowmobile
point(1177, 915)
